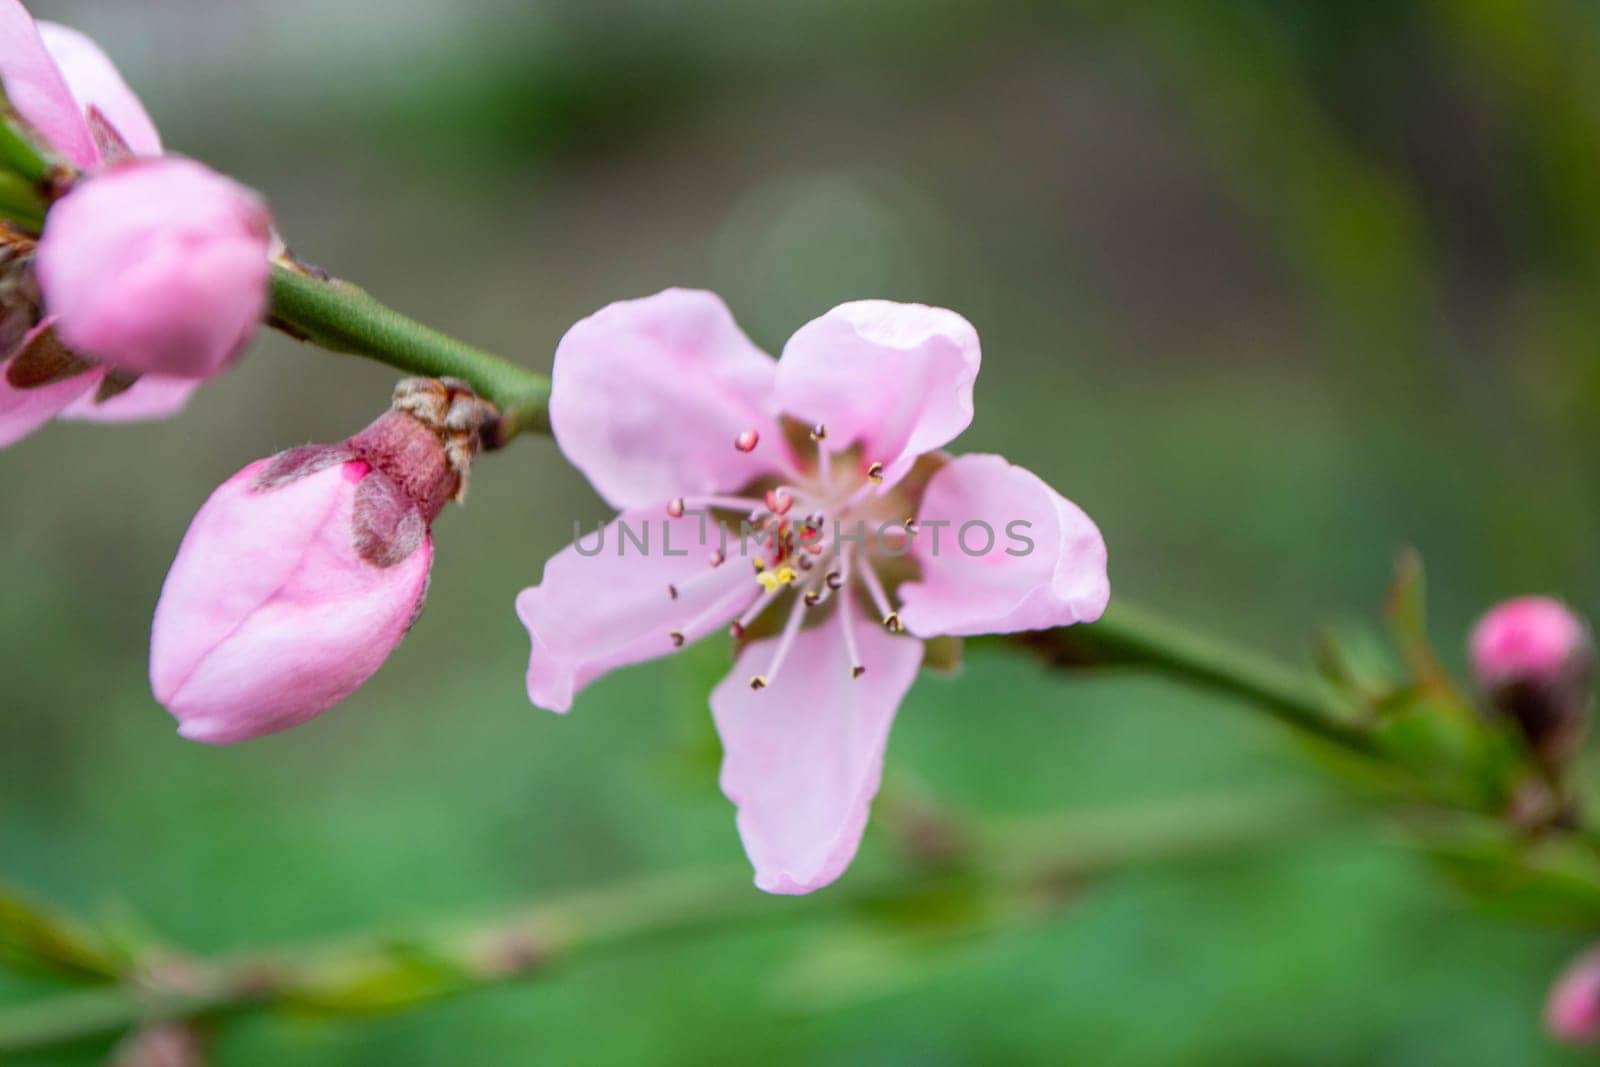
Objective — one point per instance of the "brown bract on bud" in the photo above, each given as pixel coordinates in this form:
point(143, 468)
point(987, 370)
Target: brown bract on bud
point(427, 441)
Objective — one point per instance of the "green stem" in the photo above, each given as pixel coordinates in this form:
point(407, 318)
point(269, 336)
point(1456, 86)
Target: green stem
point(343, 318)
point(382, 972)
point(1129, 636)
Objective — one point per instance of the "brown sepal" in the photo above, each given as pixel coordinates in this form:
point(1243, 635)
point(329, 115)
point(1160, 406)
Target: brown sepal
point(414, 458)
point(942, 654)
point(107, 140)
point(388, 526)
point(116, 382)
point(296, 463)
point(44, 360)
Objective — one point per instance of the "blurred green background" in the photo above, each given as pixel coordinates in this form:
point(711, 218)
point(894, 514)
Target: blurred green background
point(1271, 289)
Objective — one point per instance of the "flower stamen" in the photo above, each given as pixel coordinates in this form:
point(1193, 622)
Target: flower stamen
point(713, 502)
point(819, 434)
point(785, 643)
point(818, 590)
point(753, 611)
point(678, 589)
point(880, 600)
point(845, 613)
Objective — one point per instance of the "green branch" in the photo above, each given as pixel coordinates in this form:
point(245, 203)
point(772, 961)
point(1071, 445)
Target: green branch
point(344, 318)
point(1130, 636)
point(1018, 870)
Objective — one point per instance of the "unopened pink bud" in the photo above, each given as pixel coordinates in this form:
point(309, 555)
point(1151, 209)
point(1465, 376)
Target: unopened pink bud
point(303, 572)
point(157, 266)
point(1534, 660)
point(1573, 1011)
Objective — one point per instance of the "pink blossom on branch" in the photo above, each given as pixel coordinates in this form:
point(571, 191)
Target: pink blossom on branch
point(688, 428)
point(153, 267)
point(302, 572)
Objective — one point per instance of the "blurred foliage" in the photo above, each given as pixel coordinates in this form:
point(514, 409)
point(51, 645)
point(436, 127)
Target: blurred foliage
point(1270, 289)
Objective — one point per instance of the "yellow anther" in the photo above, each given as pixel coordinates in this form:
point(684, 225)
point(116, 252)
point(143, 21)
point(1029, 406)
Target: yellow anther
point(774, 580)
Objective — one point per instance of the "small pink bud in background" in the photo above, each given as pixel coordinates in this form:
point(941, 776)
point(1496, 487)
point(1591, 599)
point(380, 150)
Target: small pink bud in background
point(1573, 1011)
point(1534, 661)
point(158, 266)
point(302, 572)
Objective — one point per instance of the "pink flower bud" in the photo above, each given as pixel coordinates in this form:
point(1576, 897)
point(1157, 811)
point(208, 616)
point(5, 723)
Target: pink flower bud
point(1573, 1011)
point(1534, 660)
point(158, 266)
point(303, 572)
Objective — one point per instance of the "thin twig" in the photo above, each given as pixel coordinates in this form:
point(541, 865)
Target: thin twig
point(1036, 859)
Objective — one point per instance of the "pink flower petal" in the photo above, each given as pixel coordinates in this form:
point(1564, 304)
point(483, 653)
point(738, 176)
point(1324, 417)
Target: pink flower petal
point(650, 395)
point(269, 615)
point(895, 377)
point(591, 614)
point(1030, 560)
point(95, 82)
point(158, 266)
point(802, 757)
point(151, 397)
point(23, 411)
point(37, 89)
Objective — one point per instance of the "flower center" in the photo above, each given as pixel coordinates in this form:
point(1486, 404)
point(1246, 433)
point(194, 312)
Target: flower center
point(815, 538)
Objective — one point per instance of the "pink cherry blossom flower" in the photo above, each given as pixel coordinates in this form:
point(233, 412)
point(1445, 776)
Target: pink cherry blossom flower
point(865, 539)
point(1573, 1011)
point(1534, 661)
point(154, 268)
point(301, 573)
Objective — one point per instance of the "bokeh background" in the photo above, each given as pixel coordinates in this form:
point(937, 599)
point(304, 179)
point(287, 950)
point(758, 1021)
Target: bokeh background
point(1271, 289)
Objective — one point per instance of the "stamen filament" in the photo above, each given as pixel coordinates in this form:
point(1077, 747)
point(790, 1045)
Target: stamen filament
point(692, 583)
point(818, 590)
point(757, 607)
point(705, 621)
point(729, 503)
point(846, 620)
point(786, 642)
point(824, 457)
point(880, 599)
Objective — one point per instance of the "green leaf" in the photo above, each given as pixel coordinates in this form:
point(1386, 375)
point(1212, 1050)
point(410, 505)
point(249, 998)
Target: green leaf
point(20, 151)
point(1547, 879)
point(32, 938)
point(1405, 608)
